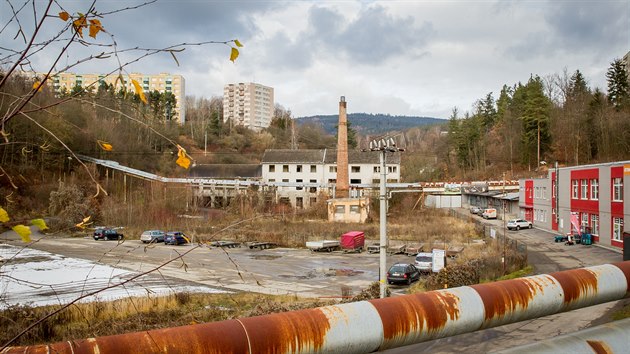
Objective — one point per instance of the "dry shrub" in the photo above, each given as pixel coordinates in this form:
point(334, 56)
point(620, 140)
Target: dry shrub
point(373, 291)
point(454, 275)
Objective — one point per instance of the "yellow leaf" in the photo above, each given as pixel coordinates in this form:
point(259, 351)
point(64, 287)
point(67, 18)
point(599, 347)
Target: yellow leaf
point(95, 27)
point(24, 232)
point(238, 44)
point(79, 24)
point(139, 91)
point(40, 223)
point(182, 158)
point(64, 16)
point(234, 54)
point(4, 216)
point(37, 86)
point(105, 145)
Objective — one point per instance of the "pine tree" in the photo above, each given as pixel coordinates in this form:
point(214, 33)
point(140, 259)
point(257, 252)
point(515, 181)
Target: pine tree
point(618, 87)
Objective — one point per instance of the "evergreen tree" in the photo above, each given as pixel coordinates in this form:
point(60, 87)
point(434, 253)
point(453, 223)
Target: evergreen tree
point(535, 118)
point(618, 88)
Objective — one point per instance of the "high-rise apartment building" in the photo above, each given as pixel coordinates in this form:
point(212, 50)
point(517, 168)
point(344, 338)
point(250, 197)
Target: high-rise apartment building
point(163, 83)
point(248, 104)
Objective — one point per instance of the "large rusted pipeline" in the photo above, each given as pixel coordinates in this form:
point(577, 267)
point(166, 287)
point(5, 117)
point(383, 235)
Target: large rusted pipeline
point(368, 326)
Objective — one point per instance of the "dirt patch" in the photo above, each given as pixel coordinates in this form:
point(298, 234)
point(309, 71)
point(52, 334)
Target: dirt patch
point(22, 260)
point(322, 273)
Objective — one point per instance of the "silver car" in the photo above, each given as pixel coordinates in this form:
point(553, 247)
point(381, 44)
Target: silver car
point(152, 236)
point(517, 224)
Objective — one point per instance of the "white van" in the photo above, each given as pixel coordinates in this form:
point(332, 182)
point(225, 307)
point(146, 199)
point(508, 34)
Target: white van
point(490, 213)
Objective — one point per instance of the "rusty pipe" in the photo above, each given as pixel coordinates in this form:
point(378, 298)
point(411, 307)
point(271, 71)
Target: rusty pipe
point(368, 326)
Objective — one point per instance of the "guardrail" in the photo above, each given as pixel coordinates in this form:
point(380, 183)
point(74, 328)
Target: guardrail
point(368, 326)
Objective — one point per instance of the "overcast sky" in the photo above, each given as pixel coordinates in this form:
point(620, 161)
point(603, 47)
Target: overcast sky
point(395, 57)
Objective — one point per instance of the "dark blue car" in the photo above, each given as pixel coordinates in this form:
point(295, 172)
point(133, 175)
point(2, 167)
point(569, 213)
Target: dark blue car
point(175, 238)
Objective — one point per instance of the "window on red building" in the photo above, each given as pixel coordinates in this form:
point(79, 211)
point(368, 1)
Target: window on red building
point(584, 187)
point(617, 228)
point(617, 189)
point(595, 224)
point(594, 189)
point(574, 189)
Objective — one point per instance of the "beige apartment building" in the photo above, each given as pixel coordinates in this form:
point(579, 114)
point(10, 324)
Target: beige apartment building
point(248, 104)
point(163, 82)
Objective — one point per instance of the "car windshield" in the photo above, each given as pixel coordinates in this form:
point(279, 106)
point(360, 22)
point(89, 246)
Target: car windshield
point(423, 259)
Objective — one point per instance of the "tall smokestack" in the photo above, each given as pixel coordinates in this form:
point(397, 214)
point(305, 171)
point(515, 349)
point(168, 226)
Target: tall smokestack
point(343, 179)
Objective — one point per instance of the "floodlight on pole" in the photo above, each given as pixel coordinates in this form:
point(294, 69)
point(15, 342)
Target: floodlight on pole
point(383, 146)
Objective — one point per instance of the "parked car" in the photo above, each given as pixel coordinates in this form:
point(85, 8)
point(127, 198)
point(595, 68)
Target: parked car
point(152, 236)
point(175, 238)
point(107, 234)
point(424, 262)
point(402, 273)
point(517, 224)
point(475, 210)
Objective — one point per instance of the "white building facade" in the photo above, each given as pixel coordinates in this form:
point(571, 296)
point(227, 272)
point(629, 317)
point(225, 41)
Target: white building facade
point(248, 104)
point(307, 173)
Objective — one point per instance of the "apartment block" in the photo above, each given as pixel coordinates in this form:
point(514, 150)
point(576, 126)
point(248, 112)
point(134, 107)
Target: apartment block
point(248, 104)
point(593, 196)
point(163, 82)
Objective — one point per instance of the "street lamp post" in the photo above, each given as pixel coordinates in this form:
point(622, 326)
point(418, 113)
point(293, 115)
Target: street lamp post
point(383, 146)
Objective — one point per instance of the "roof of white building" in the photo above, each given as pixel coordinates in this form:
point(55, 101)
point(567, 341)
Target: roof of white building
point(326, 156)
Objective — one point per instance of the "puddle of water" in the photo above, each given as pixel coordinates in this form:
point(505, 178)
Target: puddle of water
point(324, 272)
point(264, 257)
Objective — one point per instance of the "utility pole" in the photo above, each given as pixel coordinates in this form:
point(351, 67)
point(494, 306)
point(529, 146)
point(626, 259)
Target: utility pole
point(383, 146)
point(504, 226)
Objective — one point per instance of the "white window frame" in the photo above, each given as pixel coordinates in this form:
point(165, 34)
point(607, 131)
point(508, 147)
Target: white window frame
point(617, 228)
point(574, 189)
point(332, 169)
point(617, 186)
point(584, 189)
point(584, 220)
point(595, 224)
point(594, 189)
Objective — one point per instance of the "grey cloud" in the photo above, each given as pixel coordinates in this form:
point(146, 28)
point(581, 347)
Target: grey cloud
point(374, 37)
point(582, 24)
point(377, 36)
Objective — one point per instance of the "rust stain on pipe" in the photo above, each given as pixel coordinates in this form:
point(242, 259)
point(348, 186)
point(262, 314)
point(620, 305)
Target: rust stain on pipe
point(599, 347)
point(295, 331)
point(504, 297)
point(576, 283)
point(216, 337)
point(404, 314)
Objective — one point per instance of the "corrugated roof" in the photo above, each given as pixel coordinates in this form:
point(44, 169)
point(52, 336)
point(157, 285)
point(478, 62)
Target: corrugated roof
point(293, 156)
point(327, 156)
point(226, 171)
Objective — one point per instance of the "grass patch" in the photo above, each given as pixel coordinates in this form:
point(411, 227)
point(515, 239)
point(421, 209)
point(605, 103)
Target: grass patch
point(529, 270)
point(621, 314)
point(103, 318)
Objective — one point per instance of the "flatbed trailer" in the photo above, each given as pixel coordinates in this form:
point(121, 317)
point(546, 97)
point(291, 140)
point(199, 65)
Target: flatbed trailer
point(323, 246)
point(260, 245)
point(225, 244)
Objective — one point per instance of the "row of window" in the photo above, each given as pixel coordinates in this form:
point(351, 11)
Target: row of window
point(591, 222)
point(332, 169)
point(589, 189)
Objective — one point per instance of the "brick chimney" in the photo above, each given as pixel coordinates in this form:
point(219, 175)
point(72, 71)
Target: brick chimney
point(343, 180)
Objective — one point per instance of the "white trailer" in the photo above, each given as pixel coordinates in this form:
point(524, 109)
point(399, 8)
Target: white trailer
point(323, 245)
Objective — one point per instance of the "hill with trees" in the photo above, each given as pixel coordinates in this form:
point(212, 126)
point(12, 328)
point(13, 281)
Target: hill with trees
point(370, 124)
